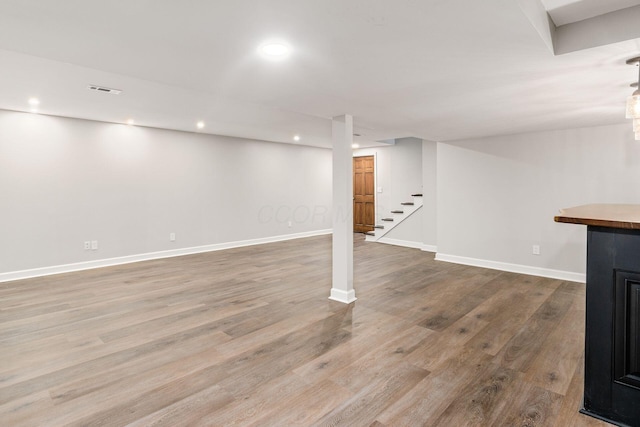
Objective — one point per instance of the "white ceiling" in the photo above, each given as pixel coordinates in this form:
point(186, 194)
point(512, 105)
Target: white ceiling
point(433, 69)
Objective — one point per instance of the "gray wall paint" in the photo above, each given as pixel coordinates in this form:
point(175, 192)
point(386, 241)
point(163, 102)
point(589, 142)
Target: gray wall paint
point(65, 181)
point(421, 227)
point(429, 193)
point(497, 196)
point(408, 230)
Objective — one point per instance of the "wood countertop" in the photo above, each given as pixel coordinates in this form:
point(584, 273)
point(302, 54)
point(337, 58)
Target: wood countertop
point(602, 215)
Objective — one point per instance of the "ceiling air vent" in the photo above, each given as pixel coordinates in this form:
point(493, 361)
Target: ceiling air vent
point(104, 89)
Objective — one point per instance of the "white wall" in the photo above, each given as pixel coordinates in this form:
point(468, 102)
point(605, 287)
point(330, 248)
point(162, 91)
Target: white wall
point(420, 229)
point(497, 196)
point(65, 181)
point(408, 231)
point(429, 193)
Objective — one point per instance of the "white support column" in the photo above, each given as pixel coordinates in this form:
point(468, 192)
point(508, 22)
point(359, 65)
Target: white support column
point(342, 287)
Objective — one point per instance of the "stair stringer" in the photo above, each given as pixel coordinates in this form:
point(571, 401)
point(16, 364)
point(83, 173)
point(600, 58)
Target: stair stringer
point(397, 219)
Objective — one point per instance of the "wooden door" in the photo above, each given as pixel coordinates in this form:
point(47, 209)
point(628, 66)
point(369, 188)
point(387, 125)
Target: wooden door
point(363, 194)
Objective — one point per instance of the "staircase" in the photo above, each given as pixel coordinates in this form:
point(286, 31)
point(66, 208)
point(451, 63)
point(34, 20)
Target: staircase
point(397, 216)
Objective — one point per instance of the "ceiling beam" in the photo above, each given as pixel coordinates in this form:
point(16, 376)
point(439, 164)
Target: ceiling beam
point(610, 28)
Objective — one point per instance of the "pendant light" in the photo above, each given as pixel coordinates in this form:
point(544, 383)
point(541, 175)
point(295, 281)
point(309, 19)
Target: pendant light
point(633, 102)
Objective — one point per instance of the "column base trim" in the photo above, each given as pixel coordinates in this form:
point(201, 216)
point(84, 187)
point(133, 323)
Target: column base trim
point(346, 297)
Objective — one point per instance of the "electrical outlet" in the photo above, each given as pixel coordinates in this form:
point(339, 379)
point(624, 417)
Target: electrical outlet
point(94, 245)
point(87, 245)
point(289, 224)
point(536, 249)
point(172, 237)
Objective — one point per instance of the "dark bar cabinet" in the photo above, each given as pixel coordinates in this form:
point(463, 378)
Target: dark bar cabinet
point(612, 334)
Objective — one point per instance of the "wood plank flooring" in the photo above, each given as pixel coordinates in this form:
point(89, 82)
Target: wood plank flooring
point(247, 337)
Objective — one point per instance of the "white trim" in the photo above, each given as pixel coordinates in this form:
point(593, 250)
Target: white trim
point(513, 268)
point(429, 248)
point(67, 268)
point(346, 297)
point(403, 243)
point(376, 208)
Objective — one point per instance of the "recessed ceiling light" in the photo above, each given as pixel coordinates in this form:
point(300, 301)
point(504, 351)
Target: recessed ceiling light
point(34, 102)
point(200, 124)
point(296, 137)
point(355, 145)
point(274, 50)
point(130, 122)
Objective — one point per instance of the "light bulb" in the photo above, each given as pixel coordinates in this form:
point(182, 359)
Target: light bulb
point(633, 106)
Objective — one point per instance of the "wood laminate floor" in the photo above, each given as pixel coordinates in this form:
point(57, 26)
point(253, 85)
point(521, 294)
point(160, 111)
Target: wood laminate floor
point(247, 337)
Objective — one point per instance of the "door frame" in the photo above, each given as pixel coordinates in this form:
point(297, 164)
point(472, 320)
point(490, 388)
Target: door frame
point(375, 182)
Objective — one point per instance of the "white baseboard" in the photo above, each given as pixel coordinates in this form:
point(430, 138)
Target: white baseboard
point(407, 244)
point(403, 243)
point(68, 268)
point(513, 268)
